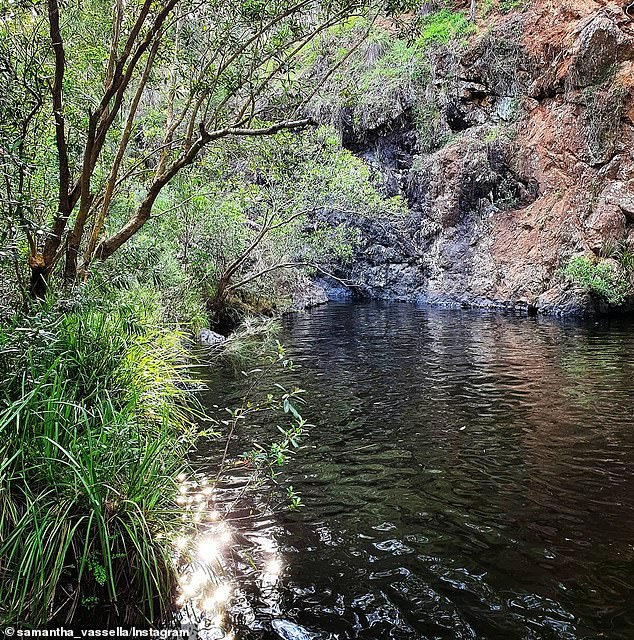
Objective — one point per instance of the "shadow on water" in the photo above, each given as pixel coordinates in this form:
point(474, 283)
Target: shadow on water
point(468, 476)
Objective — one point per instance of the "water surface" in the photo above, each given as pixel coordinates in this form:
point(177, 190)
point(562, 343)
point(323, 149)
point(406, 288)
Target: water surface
point(468, 476)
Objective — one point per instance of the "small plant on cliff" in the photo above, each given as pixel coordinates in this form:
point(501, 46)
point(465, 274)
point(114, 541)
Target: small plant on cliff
point(443, 26)
point(505, 6)
point(509, 5)
point(603, 278)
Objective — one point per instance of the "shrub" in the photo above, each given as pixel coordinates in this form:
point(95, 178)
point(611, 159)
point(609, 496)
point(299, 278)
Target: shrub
point(603, 278)
point(509, 5)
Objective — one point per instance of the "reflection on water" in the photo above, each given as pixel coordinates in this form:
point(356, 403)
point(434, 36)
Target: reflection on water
point(469, 476)
point(206, 555)
point(200, 551)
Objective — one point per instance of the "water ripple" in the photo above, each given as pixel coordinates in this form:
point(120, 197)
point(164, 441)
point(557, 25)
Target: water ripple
point(469, 476)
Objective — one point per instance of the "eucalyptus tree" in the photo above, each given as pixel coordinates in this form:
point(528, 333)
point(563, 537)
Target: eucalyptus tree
point(124, 95)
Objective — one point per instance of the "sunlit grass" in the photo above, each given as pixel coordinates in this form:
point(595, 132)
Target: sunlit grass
point(94, 429)
point(253, 338)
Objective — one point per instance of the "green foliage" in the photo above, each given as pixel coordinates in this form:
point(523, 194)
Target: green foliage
point(622, 252)
point(493, 134)
point(626, 259)
point(510, 5)
point(267, 452)
point(504, 6)
point(94, 427)
point(186, 75)
point(486, 7)
point(294, 499)
point(602, 278)
point(214, 215)
point(373, 72)
point(394, 78)
point(443, 26)
point(378, 80)
point(428, 120)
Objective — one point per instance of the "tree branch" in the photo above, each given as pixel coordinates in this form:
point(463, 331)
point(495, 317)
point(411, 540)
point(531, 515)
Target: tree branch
point(288, 265)
point(106, 248)
point(100, 218)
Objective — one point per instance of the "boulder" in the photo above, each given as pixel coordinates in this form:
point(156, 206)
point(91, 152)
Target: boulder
point(210, 338)
point(621, 194)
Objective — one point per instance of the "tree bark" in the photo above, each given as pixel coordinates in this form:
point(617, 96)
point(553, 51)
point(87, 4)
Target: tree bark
point(63, 206)
point(76, 235)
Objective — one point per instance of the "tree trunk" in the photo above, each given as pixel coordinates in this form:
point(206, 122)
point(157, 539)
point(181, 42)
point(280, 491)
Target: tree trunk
point(472, 11)
point(39, 276)
point(70, 268)
point(217, 302)
point(106, 248)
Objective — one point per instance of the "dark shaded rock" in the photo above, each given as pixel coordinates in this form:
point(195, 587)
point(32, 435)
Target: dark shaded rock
point(456, 118)
point(310, 294)
point(595, 51)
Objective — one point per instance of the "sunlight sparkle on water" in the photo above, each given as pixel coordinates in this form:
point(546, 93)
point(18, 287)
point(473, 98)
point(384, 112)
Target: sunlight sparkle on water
point(273, 567)
point(222, 593)
point(208, 549)
point(196, 583)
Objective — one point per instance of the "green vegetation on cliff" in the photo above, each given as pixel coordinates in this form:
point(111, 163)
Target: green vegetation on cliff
point(610, 279)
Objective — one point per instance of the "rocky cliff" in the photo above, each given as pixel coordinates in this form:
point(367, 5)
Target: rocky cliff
point(514, 154)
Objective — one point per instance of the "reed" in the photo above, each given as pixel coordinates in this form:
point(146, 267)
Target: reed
point(95, 426)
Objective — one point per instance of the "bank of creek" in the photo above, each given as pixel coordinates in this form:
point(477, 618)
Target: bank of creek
point(468, 475)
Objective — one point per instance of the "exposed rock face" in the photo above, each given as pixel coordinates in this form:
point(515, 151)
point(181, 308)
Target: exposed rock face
point(531, 161)
point(308, 294)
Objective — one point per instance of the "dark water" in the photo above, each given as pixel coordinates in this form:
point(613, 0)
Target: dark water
point(468, 476)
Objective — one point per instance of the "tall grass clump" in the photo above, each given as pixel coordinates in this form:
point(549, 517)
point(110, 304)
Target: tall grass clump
point(94, 428)
point(251, 341)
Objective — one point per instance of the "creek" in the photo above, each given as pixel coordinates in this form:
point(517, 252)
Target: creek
point(468, 475)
